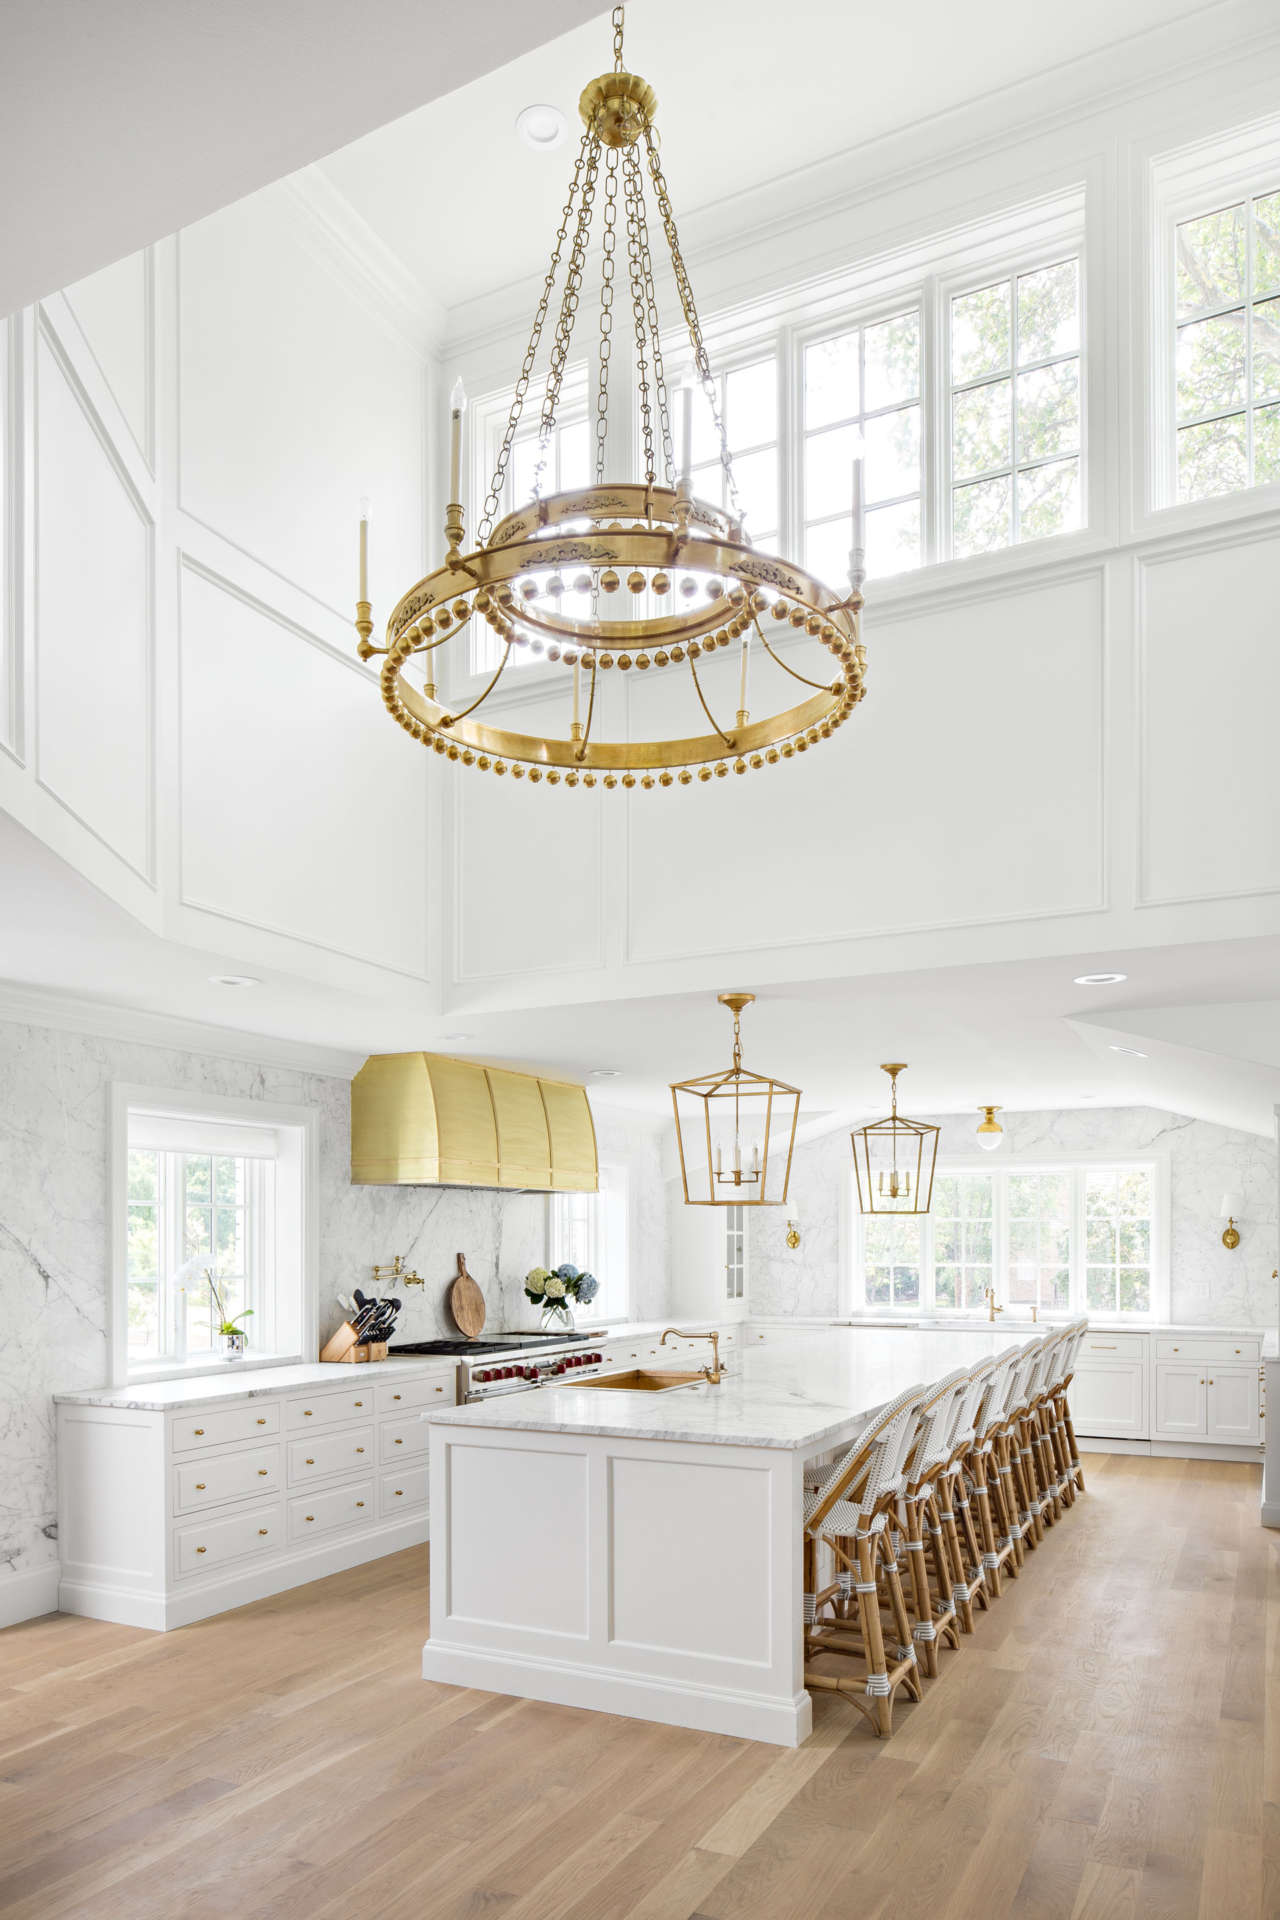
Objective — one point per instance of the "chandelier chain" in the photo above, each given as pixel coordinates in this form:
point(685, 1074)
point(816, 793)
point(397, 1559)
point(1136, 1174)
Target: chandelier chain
point(569, 300)
point(655, 330)
point(619, 21)
point(609, 242)
point(635, 263)
point(690, 311)
point(494, 495)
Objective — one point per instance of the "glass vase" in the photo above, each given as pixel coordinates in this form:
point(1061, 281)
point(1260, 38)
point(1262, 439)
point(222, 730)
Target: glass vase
point(557, 1317)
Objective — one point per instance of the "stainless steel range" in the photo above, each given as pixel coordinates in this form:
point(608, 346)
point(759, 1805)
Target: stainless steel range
point(515, 1362)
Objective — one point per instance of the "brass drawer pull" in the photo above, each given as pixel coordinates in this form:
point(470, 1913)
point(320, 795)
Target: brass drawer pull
point(395, 1396)
point(310, 1516)
point(199, 1431)
point(309, 1463)
point(306, 1413)
point(359, 1403)
point(359, 1449)
point(399, 1443)
point(359, 1503)
point(399, 1491)
point(199, 1486)
point(261, 1529)
point(262, 1473)
point(262, 1420)
point(199, 1549)
point(438, 1390)
point(1100, 1347)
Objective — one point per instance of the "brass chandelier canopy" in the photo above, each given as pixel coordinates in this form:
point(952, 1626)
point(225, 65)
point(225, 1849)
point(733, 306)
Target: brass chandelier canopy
point(736, 1130)
point(894, 1158)
point(638, 575)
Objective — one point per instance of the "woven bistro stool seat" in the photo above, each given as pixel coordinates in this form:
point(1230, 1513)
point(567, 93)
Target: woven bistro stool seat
point(849, 1516)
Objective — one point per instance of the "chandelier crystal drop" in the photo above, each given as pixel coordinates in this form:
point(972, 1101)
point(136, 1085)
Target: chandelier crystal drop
point(759, 660)
point(735, 1130)
point(894, 1158)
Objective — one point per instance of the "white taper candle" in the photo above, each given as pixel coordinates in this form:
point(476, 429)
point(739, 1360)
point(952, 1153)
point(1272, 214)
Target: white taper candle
point(457, 407)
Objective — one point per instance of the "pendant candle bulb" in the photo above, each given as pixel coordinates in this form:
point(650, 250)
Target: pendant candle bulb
point(631, 575)
point(735, 1130)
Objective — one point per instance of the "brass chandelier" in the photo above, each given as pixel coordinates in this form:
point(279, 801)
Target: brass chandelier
point(894, 1158)
point(638, 575)
point(735, 1130)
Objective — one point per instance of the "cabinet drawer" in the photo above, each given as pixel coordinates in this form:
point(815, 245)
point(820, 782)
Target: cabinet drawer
point(401, 1439)
point(432, 1390)
point(206, 1544)
point(316, 1456)
point(403, 1492)
point(327, 1409)
point(1217, 1347)
point(191, 1431)
point(1115, 1346)
point(315, 1513)
point(225, 1476)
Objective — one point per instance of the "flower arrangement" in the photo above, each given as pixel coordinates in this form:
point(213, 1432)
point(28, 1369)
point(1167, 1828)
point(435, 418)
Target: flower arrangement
point(554, 1291)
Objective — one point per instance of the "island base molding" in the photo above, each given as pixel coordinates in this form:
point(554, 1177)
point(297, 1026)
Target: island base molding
point(634, 1697)
point(1168, 1449)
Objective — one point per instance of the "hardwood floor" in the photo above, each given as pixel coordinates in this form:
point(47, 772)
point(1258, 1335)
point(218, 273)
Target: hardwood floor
point(1105, 1745)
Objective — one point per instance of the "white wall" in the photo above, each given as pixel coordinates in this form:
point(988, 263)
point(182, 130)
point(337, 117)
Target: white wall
point(1208, 1283)
point(55, 1244)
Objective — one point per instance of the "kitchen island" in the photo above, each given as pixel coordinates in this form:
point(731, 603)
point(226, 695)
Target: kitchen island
point(639, 1552)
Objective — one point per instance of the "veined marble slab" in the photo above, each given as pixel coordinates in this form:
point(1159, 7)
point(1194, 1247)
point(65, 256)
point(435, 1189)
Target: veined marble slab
point(810, 1393)
point(216, 1389)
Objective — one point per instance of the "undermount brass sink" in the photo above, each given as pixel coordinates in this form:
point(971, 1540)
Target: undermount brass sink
point(645, 1380)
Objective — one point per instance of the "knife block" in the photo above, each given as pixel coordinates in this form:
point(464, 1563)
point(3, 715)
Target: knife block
point(344, 1346)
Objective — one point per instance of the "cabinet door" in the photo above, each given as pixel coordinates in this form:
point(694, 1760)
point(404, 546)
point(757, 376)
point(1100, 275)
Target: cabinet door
point(1233, 1406)
point(1108, 1399)
point(1180, 1401)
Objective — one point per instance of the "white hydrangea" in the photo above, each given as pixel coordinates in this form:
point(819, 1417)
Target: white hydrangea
point(555, 1288)
point(536, 1281)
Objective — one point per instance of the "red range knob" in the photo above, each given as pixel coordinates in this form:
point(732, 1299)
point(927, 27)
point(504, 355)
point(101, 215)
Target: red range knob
point(482, 1376)
point(530, 1373)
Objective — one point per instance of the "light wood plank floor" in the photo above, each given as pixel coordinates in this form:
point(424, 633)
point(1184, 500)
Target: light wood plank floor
point(1105, 1746)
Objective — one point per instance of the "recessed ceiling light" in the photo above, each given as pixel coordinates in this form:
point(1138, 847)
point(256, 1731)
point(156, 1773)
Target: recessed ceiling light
point(235, 980)
point(605, 1073)
point(1100, 979)
point(541, 126)
point(1137, 1052)
point(452, 1039)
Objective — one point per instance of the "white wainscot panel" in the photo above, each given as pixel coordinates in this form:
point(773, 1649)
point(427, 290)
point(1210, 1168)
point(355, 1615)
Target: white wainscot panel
point(715, 1602)
point(303, 809)
point(876, 830)
point(113, 308)
point(524, 1565)
point(1210, 692)
point(526, 858)
point(93, 630)
point(294, 403)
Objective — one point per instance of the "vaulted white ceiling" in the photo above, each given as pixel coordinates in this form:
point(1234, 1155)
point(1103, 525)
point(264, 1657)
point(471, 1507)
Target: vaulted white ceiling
point(746, 94)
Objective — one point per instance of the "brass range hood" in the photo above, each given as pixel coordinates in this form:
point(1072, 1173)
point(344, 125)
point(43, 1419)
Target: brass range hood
point(424, 1119)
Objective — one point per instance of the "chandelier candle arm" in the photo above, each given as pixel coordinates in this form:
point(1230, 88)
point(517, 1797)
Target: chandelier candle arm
point(620, 576)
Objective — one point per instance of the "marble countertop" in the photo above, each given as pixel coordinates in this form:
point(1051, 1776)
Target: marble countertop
point(218, 1389)
point(813, 1393)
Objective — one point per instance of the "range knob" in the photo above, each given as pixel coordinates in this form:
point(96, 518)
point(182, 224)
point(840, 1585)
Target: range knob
point(557, 1366)
point(530, 1373)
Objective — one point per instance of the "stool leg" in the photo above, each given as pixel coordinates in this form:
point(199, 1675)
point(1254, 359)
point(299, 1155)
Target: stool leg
point(906, 1649)
point(921, 1597)
point(986, 1528)
point(879, 1693)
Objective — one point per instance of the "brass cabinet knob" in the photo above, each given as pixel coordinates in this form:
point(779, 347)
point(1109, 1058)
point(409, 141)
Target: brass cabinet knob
point(199, 1549)
point(199, 1431)
point(309, 1463)
point(359, 1503)
point(438, 1390)
point(359, 1449)
point(399, 1491)
point(199, 1486)
point(395, 1396)
point(399, 1443)
point(262, 1473)
point(306, 1413)
point(262, 1420)
point(310, 1516)
point(261, 1529)
point(359, 1403)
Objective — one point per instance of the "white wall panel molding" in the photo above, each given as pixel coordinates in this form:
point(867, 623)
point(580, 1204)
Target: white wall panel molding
point(393, 295)
point(94, 618)
point(267, 712)
point(114, 312)
point(13, 491)
point(1207, 824)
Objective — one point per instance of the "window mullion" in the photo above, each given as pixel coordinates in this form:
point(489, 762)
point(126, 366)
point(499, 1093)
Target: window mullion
point(935, 476)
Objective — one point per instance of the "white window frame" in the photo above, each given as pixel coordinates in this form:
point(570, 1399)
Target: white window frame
point(735, 1291)
point(611, 1247)
point(1080, 1164)
point(294, 1311)
point(1182, 184)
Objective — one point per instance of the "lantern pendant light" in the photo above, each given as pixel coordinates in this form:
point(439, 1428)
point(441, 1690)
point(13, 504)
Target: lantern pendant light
point(735, 1130)
point(894, 1158)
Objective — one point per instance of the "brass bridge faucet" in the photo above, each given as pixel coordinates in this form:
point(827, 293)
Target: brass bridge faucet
point(992, 1308)
point(714, 1373)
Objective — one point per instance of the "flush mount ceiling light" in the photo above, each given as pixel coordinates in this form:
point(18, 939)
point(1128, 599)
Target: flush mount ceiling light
point(894, 1158)
point(628, 575)
point(736, 1130)
point(1137, 1052)
point(990, 1132)
point(1100, 979)
point(605, 1073)
point(454, 1039)
point(234, 980)
point(541, 126)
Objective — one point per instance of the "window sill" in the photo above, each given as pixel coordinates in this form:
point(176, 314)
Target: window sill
point(207, 1363)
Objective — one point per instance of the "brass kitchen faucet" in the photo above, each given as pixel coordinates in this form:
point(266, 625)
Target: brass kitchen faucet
point(714, 1372)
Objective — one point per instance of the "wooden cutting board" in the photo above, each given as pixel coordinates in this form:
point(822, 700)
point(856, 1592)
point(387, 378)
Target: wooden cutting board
point(466, 1302)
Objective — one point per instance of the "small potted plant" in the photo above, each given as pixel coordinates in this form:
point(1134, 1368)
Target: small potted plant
point(233, 1336)
point(555, 1291)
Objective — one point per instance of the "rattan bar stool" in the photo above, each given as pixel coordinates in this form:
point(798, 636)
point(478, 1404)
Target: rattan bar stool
point(931, 1572)
point(988, 1493)
point(849, 1515)
point(1068, 1451)
point(968, 1580)
point(1037, 1430)
point(1015, 1495)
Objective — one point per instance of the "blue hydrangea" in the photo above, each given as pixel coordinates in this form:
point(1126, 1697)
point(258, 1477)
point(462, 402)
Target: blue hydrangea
point(567, 1272)
point(588, 1287)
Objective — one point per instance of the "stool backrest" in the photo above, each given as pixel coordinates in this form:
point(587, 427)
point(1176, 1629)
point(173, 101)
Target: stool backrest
point(874, 1463)
point(935, 1421)
point(967, 1404)
point(994, 1406)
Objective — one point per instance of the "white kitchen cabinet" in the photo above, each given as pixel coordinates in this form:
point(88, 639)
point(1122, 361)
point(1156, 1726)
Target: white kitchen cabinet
point(170, 1502)
point(1108, 1398)
point(1233, 1410)
point(1180, 1400)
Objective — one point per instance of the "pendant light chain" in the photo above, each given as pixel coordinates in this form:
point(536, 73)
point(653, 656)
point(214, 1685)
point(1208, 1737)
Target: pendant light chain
point(609, 242)
point(573, 278)
point(636, 179)
point(619, 22)
point(635, 267)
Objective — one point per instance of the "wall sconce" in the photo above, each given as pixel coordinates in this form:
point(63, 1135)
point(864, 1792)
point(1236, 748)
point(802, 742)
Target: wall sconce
point(1229, 1206)
point(793, 1234)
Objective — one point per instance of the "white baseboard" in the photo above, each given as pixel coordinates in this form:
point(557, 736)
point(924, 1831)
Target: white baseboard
point(186, 1603)
point(1271, 1513)
point(28, 1593)
point(1170, 1449)
point(780, 1723)
point(1088, 1444)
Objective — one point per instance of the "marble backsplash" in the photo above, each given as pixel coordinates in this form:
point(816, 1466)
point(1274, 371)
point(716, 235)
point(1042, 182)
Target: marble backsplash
point(54, 1252)
point(1207, 1283)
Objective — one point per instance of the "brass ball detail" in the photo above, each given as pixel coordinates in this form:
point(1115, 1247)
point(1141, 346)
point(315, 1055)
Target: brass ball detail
point(571, 779)
point(704, 773)
point(588, 779)
point(779, 609)
point(757, 760)
point(570, 657)
point(611, 780)
point(688, 586)
point(797, 616)
point(499, 766)
point(535, 774)
point(468, 758)
point(582, 583)
point(628, 779)
point(642, 661)
point(604, 660)
point(771, 756)
point(647, 782)
point(529, 588)
point(635, 580)
point(813, 625)
point(609, 580)
point(553, 778)
point(684, 776)
point(739, 766)
point(444, 619)
point(664, 778)
point(553, 653)
point(677, 654)
point(722, 768)
point(518, 773)
point(484, 763)
point(624, 661)
point(661, 657)
point(695, 648)
point(555, 586)
point(662, 583)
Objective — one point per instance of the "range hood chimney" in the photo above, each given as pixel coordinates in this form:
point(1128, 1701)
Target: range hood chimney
point(423, 1119)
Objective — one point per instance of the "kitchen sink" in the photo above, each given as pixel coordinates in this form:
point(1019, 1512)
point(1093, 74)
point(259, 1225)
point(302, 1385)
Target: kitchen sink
point(645, 1380)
